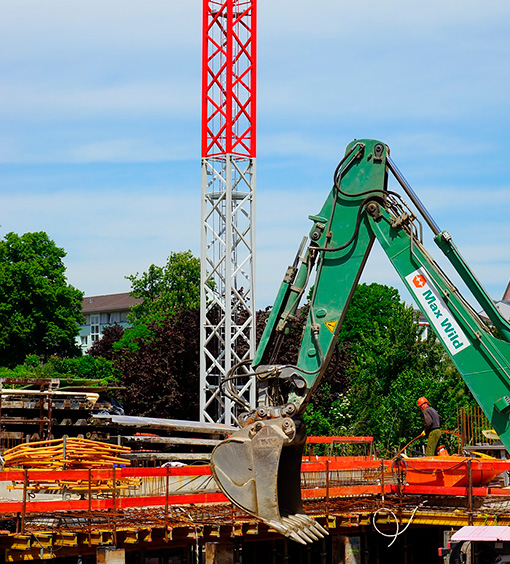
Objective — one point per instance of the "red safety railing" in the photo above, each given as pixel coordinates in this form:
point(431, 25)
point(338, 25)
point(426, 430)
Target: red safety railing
point(325, 478)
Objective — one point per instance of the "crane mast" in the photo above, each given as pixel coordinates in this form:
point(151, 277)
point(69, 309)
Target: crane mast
point(227, 334)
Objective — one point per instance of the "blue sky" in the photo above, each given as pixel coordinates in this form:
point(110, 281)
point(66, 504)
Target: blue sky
point(100, 125)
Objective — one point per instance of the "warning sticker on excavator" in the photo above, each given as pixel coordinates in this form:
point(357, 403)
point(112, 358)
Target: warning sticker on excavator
point(331, 325)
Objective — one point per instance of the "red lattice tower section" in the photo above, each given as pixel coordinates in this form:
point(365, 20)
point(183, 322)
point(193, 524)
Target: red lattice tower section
point(228, 199)
point(228, 80)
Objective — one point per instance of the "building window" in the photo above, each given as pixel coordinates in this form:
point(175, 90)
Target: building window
point(95, 331)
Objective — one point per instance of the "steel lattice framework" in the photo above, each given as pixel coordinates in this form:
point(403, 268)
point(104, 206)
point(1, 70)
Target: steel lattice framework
point(228, 202)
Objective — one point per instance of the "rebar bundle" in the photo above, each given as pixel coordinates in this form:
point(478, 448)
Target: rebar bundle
point(68, 453)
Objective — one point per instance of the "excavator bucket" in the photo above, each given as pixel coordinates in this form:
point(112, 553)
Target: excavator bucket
point(258, 468)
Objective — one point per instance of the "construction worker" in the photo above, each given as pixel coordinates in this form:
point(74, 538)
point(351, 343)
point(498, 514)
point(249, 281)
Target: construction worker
point(432, 428)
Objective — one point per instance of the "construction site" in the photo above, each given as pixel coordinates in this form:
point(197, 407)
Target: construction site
point(83, 482)
point(85, 500)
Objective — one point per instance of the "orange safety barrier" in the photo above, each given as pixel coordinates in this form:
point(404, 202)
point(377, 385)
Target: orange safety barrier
point(323, 479)
point(339, 440)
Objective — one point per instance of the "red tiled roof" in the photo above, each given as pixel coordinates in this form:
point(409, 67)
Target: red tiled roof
point(110, 302)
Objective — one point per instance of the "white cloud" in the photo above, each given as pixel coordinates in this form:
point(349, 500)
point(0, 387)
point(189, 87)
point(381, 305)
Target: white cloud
point(109, 234)
point(295, 143)
point(365, 19)
point(284, 222)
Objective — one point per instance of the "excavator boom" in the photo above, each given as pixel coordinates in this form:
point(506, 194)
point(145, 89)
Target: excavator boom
point(258, 467)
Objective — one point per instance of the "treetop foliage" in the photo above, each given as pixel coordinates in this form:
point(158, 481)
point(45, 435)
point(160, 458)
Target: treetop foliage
point(166, 289)
point(39, 310)
point(371, 308)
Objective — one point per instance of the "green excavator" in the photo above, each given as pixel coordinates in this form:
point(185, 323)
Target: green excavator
point(258, 467)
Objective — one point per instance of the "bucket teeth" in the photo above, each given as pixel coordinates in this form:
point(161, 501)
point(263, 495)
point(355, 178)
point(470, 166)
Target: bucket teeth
point(319, 529)
point(312, 525)
point(296, 537)
point(299, 527)
point(322, 529)
point(288, 531)
point(278, 526)
point(306, 536)
point(309, 533)
point(305, 539)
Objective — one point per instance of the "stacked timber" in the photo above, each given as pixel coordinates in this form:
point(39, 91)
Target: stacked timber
point(36, 409)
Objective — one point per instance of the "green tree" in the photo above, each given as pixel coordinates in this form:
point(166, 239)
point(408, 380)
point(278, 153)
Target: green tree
point(328, 415)
point(166, 289)
point(330, 411)
point(391, 367)
point(371, 308)
point(383, 366)
point(39, 310)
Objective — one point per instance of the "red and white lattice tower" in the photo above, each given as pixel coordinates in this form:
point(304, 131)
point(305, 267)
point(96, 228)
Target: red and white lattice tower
point(228, 202)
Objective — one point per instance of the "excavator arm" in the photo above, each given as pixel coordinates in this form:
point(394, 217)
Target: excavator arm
point(258, 467)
